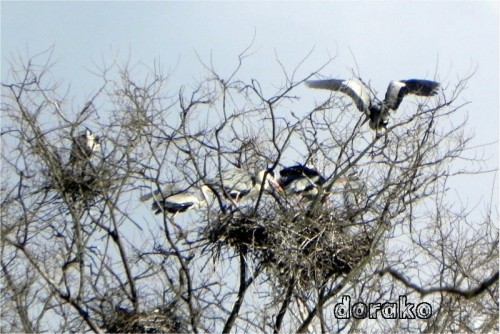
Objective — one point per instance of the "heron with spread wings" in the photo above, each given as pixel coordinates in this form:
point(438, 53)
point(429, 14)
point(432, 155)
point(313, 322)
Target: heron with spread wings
point(377, 111)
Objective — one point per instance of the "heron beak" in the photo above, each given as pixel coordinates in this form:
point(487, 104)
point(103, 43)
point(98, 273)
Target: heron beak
point(342, 179)
point(278, 186)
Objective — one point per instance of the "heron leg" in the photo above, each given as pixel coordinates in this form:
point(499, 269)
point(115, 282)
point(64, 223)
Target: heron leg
point(179, 233)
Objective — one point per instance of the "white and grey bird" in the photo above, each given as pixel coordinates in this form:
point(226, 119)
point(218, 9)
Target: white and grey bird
point(238, 184)
point(175, 202)
point(83, 147)
point(353, 190)
point(301, 180)
point(377, 111)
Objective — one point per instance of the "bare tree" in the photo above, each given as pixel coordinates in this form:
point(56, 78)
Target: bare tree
point(81, 252)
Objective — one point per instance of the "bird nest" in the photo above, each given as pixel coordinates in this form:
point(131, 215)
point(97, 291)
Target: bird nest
point(81, 185)
point(86, 185)
point(159, 320)
point(309, 249)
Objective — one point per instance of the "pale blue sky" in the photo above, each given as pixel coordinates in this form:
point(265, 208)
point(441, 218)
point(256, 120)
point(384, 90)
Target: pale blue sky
point(389, 40)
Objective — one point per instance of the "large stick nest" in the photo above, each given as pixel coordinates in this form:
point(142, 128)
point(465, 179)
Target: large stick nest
point(311, 248)
point(159, 320)
point(86, 184)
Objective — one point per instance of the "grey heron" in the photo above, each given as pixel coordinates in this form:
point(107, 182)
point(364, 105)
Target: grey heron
point(83, 147)
point(301, 180)
point(377, 111)
point(175, 202)
point(237, 184)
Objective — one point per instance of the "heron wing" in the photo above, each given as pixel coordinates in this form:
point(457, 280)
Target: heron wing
point(397, 90)
point(421, 87)
point(294, 173)
point(178, 207)
point(299, 170)
point(236, 182)
point(353, 87)
point(176, 203)
point(300, 178)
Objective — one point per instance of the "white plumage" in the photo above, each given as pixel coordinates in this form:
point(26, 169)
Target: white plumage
point(175, 201)
point(235, 184)
point(238, 183)
point(83, 147)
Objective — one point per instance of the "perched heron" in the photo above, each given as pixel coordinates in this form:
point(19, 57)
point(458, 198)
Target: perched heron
point(301, 180)
point(238, 184)
point(377, 111)
point(352, 191)
point(175, 202)
point(83, 147)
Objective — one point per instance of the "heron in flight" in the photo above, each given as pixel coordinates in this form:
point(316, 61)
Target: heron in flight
point(377, 111)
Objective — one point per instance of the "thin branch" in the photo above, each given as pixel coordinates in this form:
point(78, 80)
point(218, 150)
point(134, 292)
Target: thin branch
point(467, 294)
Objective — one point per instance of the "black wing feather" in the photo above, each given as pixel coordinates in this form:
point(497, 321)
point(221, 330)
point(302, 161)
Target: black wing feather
point(171, 207)
point(421, 87)
point(291, 174)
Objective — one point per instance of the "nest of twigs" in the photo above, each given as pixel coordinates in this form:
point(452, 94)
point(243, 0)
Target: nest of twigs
point(308, 248)
point(159, 320)
point(81, 185)
point(86, 184)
